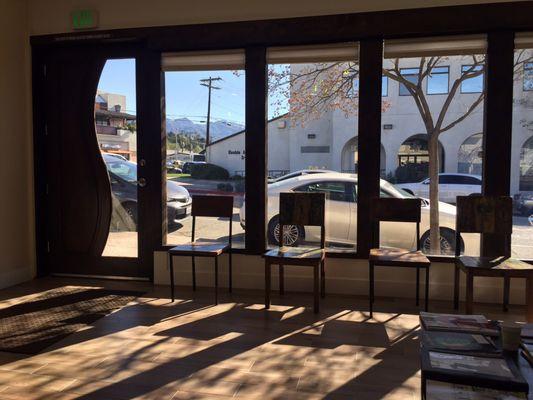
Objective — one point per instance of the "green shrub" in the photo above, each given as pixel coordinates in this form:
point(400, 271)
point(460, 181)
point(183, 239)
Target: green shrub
point(411, 173)
point(225, 187)
point(208, 171)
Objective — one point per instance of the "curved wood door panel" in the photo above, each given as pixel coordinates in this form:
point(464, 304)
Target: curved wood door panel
point(80, 193)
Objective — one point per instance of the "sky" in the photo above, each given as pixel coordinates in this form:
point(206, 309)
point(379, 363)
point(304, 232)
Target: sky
point(185, 97)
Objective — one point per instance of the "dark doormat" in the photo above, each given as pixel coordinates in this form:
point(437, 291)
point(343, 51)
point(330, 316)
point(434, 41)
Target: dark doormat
point(30, 326)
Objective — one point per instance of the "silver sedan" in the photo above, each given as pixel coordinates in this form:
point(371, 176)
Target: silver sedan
point(341, 214)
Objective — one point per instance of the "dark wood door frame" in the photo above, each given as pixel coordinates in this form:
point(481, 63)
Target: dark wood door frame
point(149, 139)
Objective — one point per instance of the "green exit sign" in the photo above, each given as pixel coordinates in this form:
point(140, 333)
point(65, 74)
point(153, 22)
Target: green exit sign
point(84, 19)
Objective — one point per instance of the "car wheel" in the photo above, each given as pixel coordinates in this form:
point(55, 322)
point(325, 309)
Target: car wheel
point(131, 210)
point(447, 242)
point(293, 233)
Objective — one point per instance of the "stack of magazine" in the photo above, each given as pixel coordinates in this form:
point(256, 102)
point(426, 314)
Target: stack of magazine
point(460, 358)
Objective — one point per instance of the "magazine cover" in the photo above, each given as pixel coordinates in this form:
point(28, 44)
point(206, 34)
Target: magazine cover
point(445, 391)
point(459, 323)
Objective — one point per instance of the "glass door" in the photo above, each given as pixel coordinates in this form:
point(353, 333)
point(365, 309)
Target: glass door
point(101, 173)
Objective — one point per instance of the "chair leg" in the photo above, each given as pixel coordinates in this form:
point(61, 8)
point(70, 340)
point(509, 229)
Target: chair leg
point(371, 288)
point(216, 280)
point(171, 268)
point(267, 285)
point(417, 286)
point(281, 279)
point(230, 272)
point(506, 287)
point(426, 298)
point(315, 287)
point(469, 292)
point(456, 282)
point(323, 278)
point(193, 273)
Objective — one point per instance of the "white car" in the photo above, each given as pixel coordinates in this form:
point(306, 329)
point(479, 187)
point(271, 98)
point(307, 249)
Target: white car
point(451, 185)
point(297, 173)
point(341, 214)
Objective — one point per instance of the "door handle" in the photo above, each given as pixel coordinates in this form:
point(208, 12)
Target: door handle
point(141, 182)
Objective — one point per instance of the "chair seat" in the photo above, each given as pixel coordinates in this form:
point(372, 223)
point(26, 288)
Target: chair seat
point(200, 248)
point(303, 255)
point(398, 257)
point(493, 263)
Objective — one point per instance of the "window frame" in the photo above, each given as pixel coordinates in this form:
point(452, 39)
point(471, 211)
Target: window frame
point(482, 77)
point(384, 85)
point(528, 67)
point(401, 85)
point(254, 36)
point(447, 73)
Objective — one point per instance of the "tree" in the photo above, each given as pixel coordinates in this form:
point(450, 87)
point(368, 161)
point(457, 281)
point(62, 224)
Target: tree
point(314, 89)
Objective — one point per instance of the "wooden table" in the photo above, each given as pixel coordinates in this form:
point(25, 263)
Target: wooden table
point(502, 267)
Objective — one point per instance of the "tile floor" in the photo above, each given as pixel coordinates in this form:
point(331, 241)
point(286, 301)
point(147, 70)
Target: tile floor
point(191, 349)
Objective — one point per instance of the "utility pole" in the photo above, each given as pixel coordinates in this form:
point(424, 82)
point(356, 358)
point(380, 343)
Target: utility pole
point(208, 83)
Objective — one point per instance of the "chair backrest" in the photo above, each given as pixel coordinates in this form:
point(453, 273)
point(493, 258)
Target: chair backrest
point(396, 210)
point(302, 209)
point(484, 214)
point(211, 206)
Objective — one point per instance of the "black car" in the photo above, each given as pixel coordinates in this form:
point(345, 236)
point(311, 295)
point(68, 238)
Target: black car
point(123, 178)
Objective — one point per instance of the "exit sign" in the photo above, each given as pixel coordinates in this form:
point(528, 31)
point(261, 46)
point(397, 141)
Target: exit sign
point(84, 19)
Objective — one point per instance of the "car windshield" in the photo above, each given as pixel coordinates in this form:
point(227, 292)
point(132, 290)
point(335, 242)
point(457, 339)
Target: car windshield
point(395, 191)
point(123, 169)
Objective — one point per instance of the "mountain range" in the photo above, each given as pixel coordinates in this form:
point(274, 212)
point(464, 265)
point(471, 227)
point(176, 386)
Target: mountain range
point(218, 129)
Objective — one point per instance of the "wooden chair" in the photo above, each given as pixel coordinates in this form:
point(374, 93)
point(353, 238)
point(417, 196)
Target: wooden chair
point(487, 215)
point(205, 206)
point(397, 210)
point(303, 209)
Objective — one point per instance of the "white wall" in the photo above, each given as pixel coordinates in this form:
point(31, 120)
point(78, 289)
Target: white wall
point(229, 153)
point(348, 277)
point(17, 249)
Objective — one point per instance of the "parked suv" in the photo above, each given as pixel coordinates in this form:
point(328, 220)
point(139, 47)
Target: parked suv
point(123, 178)
point(450, 186)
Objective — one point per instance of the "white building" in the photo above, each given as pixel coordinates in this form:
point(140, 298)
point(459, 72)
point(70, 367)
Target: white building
point(331, 141)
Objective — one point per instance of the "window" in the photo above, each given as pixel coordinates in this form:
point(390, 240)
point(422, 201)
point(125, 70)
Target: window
point(384, 86)
point(522, 153)
point(417, 150)
point(205, 147)
point(335, 191)
point(458, 180)
point(119, 153)
point(528, 76)
point(474, 78)
point(411, 75)
point(437, 81)
point(314, 89)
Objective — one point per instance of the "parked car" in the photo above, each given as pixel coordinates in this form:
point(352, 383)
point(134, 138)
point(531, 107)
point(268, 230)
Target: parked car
point(523, 203)
point(451, 185)
point(173, 168)
point(341, 214)
point(186, 169)
point(297, 173)
point(123, 178)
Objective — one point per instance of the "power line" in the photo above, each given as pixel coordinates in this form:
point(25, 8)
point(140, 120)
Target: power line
point(208, 83)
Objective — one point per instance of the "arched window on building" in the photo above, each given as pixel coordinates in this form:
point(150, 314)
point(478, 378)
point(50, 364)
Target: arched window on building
point(526, 166)
point(413, 159)
point(470, 157)
point(350, 157)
